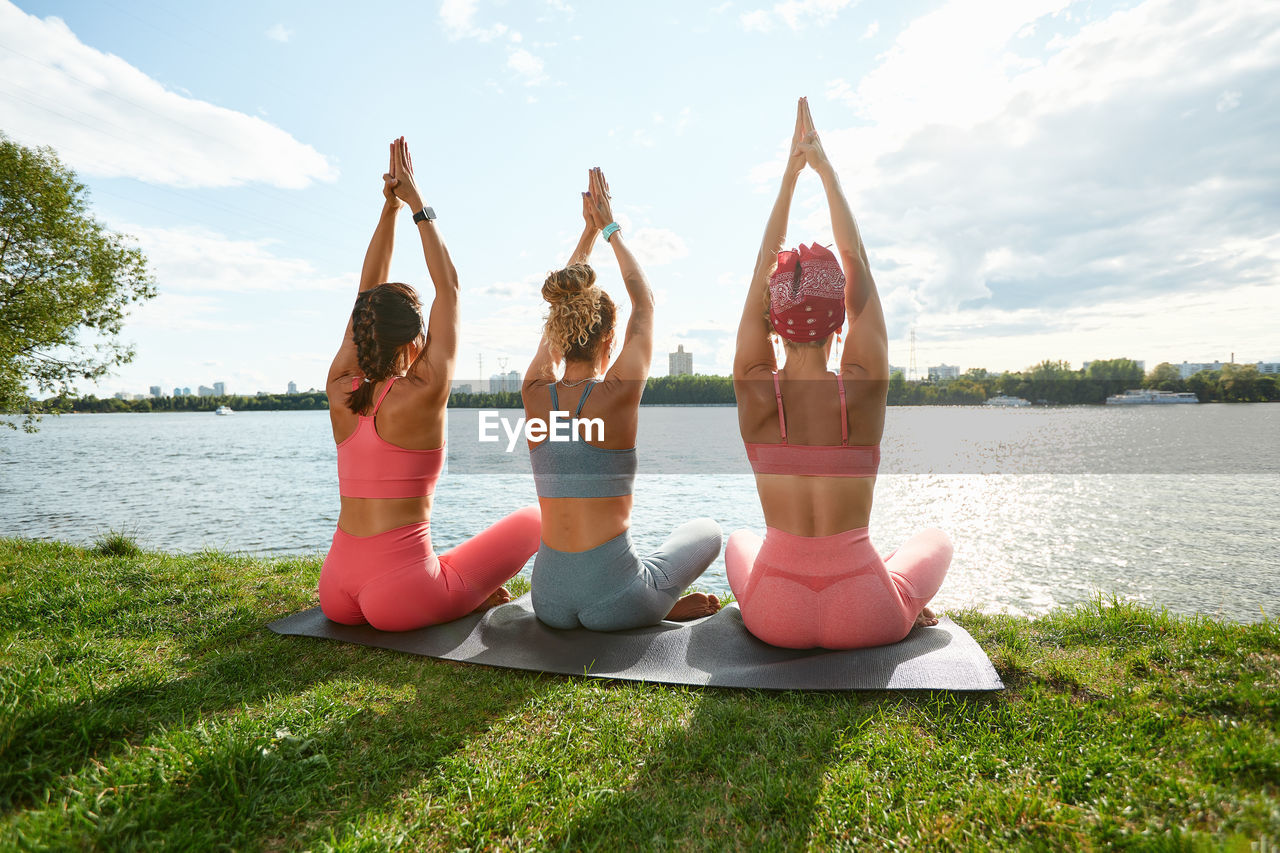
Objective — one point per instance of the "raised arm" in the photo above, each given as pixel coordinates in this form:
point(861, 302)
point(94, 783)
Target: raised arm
point(590, 231)
point(866, 349)
point(754, 351)
point(375, 270)
point(436, 362)
point(632, 363)
point(377, 258)
point(542, 367)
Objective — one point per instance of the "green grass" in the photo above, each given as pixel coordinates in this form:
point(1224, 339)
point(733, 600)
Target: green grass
point(143, 703)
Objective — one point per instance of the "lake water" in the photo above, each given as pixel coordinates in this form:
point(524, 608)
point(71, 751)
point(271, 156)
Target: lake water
point(1172, 506)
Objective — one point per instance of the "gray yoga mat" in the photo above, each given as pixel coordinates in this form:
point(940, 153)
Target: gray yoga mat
point(716, 651)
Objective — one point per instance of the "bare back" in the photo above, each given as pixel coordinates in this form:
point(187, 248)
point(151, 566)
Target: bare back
point(808, 505)
point(410, 416)
point(579, 524)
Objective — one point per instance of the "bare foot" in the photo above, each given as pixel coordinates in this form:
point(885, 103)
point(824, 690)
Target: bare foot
point(926, 619)
point(695, 605)
point(501, 596)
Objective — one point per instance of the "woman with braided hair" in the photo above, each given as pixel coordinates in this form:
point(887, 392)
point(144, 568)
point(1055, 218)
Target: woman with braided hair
point(587, 571)
point(388, 387)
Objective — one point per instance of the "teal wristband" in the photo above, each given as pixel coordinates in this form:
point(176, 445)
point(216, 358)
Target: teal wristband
point(610, 229)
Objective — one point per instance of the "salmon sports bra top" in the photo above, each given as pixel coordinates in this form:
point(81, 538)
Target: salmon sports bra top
point(808, 460)
point(371, 467)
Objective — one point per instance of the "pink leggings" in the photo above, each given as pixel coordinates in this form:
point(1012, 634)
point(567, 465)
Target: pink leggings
point(832, 592)
point(395, 582)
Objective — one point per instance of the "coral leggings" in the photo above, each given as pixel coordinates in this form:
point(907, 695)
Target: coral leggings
point(395, 582)
point(832, 592)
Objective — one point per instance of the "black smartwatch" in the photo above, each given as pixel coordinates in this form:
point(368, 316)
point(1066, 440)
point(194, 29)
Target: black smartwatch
point(424, 215)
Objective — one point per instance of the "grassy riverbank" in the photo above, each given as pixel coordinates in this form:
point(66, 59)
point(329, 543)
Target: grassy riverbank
point(143, 702)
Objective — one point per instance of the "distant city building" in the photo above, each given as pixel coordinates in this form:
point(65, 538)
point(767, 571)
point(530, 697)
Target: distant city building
point(205, 391)
point(1269, 367)
point(943, 372)
point(509, 381)
point(186, 392)
point(893, 370)
point(177, 392)
point(155, 391)
point(293, 387)
point(680, 363)
point(1191, 368)
point(219, 389)
point(461, 388)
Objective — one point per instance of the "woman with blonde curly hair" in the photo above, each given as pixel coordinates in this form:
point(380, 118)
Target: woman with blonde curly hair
point(387, 387)
point(587, 571)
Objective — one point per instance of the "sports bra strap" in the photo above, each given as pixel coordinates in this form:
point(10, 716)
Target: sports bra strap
point(782, 419)
point(583, 398)
point(383, 395)
point(844, 413)
point(555, 398)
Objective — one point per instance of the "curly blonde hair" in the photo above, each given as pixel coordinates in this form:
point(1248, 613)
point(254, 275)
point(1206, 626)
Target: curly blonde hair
point(581, 315)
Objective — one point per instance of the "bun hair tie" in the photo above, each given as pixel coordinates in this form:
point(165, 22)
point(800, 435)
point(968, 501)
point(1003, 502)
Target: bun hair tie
point(806, 294)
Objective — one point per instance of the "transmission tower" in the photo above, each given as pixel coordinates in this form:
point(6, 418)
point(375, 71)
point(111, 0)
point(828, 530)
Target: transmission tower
point(911, 364)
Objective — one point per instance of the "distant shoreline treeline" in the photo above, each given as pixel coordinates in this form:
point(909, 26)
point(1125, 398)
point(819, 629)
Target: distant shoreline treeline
point(1050, 382)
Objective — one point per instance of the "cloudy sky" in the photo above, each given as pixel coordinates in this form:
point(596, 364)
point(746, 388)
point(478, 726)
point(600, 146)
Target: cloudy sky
point(1034, 178)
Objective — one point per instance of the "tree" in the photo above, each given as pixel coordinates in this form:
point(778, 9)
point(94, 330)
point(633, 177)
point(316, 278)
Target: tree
point(1165, 377)
point(65, 282)
point(1109, 376)
point(1238, 383)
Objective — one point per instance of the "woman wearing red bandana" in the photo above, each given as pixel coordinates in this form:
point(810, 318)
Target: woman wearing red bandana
point(813, 440)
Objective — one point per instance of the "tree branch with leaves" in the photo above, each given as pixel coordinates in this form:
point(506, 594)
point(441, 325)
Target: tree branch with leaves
point(66, 282)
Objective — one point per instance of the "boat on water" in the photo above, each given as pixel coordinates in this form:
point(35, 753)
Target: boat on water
point(223, 410)
point(1007, 402)
point(1146, 396)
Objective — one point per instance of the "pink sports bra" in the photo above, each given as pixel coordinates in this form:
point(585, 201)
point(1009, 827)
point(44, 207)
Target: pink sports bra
point(808, 460)
point(371, 467)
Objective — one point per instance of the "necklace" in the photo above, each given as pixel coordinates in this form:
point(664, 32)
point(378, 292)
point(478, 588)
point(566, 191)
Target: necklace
point(575, 384)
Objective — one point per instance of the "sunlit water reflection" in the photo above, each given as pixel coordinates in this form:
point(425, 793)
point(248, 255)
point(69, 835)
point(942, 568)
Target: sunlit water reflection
point(1046, 507)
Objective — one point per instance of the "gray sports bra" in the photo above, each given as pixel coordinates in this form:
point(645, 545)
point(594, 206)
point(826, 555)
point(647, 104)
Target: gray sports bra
point(576, 469)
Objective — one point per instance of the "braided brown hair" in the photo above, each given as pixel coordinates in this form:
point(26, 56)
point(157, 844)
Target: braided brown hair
point(384, 321)
point(581, 314)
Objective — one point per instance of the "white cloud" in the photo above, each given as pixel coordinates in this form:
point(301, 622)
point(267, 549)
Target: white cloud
point(199, 261)
point(527, 66)
point(182, 312)
point(106, 118)
point(458, 19)
point(872, 30)
point(656, 246)
point(796, 14)
point(279, 33)
point(757, 21)
point(1228, 101)
point(1070, 182)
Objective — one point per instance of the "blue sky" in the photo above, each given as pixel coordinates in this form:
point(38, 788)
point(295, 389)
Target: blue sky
point(1034, 178)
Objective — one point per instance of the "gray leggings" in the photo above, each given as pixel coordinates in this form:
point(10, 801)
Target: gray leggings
point(611, 587)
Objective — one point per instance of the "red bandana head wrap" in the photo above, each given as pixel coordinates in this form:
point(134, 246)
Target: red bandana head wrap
point(806, 294)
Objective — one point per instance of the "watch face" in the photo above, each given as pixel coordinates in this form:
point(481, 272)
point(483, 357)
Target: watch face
point(428, 214)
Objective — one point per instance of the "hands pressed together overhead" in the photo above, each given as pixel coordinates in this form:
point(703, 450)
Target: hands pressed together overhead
point(806, 148)
point(596, 209)
point(398, 185)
